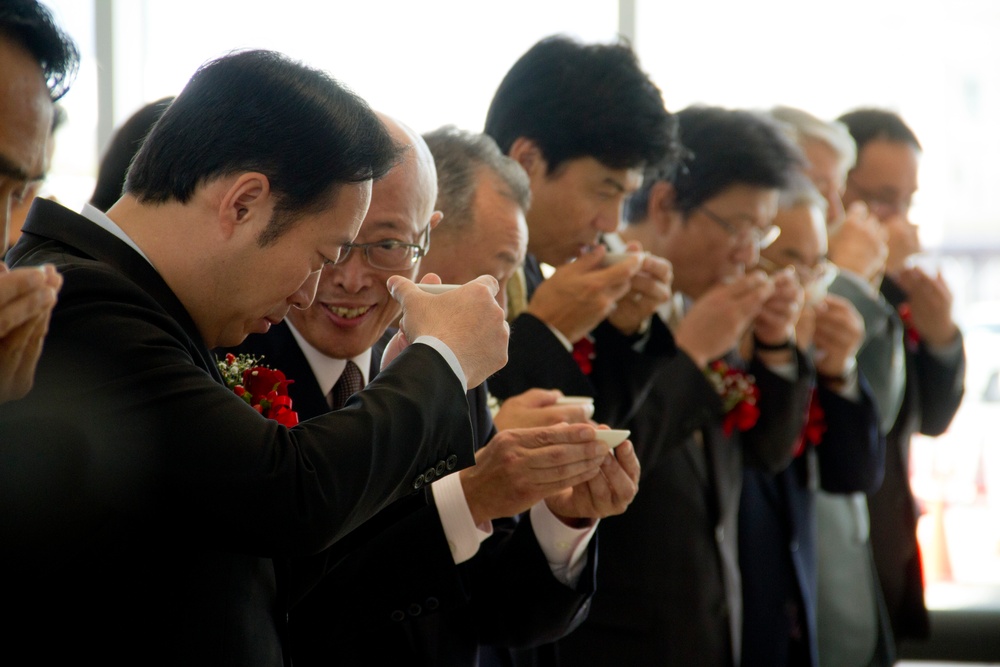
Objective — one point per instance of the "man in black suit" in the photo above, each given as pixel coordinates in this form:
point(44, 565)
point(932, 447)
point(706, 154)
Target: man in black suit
point(668, 586)
point(885, 178)
point(39, 62)
point(449, 573)
point(177, 501)
point(583, 121)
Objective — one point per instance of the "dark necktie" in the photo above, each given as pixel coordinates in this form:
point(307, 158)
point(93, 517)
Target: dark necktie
point(348, 384)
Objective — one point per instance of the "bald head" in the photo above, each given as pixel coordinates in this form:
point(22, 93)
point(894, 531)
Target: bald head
point(415, 170)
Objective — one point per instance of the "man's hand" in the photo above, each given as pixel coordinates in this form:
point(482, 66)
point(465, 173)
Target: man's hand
point(520, 467)
point(467, 319)
point(717, 320)
point(649, 289)
point(775, 324)
point(606, 494)
point(839, 331)
point(27, 297)
point(537, 407)
point(579, 295)
point(860, 245)
point(930, 304)
point(903, 242)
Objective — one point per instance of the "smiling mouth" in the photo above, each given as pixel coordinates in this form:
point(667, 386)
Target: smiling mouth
point(349, 313)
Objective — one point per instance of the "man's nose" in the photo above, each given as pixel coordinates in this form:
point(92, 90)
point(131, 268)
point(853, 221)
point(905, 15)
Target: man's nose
point(306, 293)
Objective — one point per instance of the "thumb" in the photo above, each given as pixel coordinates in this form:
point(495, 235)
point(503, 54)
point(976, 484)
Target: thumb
point(401, 288)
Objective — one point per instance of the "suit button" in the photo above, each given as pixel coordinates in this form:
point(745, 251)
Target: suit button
point(418, 482)
point(430, 604)
point(397, 615)
point(793, 545)
point(414, 609)
point(720, 534)
point(430, 475)
point(451, 462)
point(441, 468)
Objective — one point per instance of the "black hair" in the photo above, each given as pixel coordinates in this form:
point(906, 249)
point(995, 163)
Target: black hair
point(726, 147)
point(30, 24)
point(123, 146)
point(866, 125)
point(261, 111)
point(582, 100)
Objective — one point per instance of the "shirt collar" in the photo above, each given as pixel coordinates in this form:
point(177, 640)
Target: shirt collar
point(96, 216)
point(328, 370)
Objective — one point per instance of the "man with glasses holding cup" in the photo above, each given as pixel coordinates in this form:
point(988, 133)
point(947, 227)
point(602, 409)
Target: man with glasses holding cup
point(668, 589)
point(438, 573)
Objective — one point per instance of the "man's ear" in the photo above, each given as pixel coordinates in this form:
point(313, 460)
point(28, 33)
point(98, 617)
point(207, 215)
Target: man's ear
point(527, 153)
point(246, 200)
point(436, 218)
point(660, 209)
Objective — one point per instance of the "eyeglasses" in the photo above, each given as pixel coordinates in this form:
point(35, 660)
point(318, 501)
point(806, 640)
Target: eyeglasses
point(388, 255)
point(740, 235)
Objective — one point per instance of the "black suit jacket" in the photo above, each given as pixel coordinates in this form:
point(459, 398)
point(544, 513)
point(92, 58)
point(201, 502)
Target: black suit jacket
point(668, 587)
point(934, 390)
point(777, 529)
point(623, 367)
point(395, 595)
point(181, 494)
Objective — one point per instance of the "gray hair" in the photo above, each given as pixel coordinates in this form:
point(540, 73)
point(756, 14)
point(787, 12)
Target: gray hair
point(832, 133)
point(459, 157)
point(801, 192)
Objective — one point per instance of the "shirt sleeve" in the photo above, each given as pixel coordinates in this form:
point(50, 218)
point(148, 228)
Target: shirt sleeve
point(565, 548)
point(463, 535)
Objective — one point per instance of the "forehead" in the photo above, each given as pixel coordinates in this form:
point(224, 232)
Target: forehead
point(589, 171)
point(400, 203)
point(25, 110)
point(889, 162)
point(741, 201)
point(803, 232)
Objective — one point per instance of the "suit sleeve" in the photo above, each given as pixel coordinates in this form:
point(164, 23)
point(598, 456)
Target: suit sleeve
point(168, 445)
point(680, 400)
point(941, 382)
point(852, 452)
point(783, 404)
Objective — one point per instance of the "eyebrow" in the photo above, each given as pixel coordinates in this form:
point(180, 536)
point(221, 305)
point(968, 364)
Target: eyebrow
point(13, 170)
point(507, 257)
point(613, 183)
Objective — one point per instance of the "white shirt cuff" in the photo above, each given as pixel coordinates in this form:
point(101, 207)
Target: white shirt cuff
point(562, 339)
point(448, 355)
point(463, 535)
point(565, 548)
point(786, 371)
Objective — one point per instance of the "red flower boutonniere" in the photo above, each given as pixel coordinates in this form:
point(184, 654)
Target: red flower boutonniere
point(739, 394)
point(815, 427)
point(583, 354)
point(263, 388)
point(911, 337)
